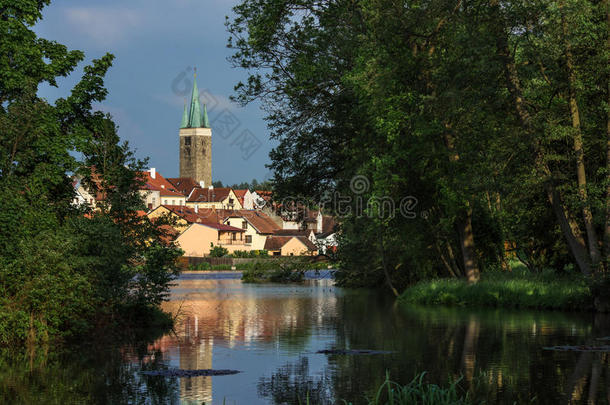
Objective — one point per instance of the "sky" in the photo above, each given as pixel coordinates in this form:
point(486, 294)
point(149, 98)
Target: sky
point(157, 44)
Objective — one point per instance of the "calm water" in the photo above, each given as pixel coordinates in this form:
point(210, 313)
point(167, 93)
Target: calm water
point(271, 334)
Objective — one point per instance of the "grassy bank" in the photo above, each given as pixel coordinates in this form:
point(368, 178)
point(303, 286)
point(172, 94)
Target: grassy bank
point(515, 289)
point(274, 271)
point(266, 264)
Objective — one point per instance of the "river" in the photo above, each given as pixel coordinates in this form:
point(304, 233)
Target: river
point(271, 333)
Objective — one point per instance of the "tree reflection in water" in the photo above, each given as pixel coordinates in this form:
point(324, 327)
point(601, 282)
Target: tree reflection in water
point(89, 376)
point(272, 333)
point(293, 383)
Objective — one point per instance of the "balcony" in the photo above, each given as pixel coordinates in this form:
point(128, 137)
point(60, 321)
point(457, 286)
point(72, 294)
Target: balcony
point(227, 241)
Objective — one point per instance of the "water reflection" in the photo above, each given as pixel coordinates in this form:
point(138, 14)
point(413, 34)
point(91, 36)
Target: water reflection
point(256, 322)
point(272, 332)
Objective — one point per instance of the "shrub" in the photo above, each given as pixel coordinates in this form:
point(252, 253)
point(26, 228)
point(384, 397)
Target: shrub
point(218, 251)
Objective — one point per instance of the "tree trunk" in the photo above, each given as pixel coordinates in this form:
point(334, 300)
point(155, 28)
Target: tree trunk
point(581, 175)
point(514, 87)
point(607, 227)
point(464, 225)
point(385, 270)
point(575, 245)
point(454, 261)
point(471, 269)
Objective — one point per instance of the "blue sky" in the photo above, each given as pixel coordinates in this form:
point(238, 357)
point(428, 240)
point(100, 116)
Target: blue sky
point(157, 44)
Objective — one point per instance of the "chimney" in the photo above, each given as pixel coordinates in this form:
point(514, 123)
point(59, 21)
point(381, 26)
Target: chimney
point(201, 184)
point(153, 172)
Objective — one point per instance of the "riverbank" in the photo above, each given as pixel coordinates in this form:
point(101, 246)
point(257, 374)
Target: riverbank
point(266, 264)
point(508, 290)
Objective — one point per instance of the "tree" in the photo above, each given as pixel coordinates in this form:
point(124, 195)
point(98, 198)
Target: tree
point(466, 106)
point(66, 270)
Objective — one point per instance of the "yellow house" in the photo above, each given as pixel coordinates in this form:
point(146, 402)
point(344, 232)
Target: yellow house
point(257, 227)
point(197, 239)
point(183, 215)
point(290, 246)
point(218, 198)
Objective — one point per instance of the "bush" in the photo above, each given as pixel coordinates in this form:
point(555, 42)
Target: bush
point(218, 251)
point(249, 253)
point(200, 266)
point(276, 271)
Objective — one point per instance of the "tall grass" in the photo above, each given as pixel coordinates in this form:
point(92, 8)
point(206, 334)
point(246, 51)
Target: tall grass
point(517, 289)
point(416, 392)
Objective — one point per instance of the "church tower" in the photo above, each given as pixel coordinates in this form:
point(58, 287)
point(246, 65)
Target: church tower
point(196, 141)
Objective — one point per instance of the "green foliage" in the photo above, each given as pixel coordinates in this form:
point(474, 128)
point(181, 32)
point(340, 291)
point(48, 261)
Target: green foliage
point(470, 110)
point(200, 266)
point(418, 392)
point(249, 253)
point(218, 251)
point(67, 270)
point(290, 270)
point(512, 290)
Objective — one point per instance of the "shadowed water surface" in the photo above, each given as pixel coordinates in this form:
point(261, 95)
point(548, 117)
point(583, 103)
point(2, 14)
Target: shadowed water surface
point(271, 333)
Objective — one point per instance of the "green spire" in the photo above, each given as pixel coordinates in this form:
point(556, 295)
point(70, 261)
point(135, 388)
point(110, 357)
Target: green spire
point(195, 114)
point(206, 122)
point(185, 117)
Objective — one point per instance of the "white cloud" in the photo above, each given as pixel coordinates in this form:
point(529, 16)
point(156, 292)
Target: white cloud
point(106, 26)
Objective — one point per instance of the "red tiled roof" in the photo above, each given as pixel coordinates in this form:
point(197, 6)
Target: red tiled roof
point(159, 183)
point(277, 242)
point(241, 194)
point(184, 212)
point(184, 184)
point(222, 227)
point(209, 195)
point(293, 232)
point(203, 217)
point(260, 221)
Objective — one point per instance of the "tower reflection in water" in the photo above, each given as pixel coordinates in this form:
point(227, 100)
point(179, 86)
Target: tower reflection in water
point(229, 314)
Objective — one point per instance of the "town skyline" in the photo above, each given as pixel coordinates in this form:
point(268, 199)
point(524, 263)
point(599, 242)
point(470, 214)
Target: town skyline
point(157, 51)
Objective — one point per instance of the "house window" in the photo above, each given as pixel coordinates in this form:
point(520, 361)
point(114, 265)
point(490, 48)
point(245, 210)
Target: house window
point(173, 202)
point(234, 235)
point(150, 206)
point(244, 225)
point(230, 201)
point(165, 202)
point(154, 201)
point(187, 140)
point(248, 238)
point(276, 253)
